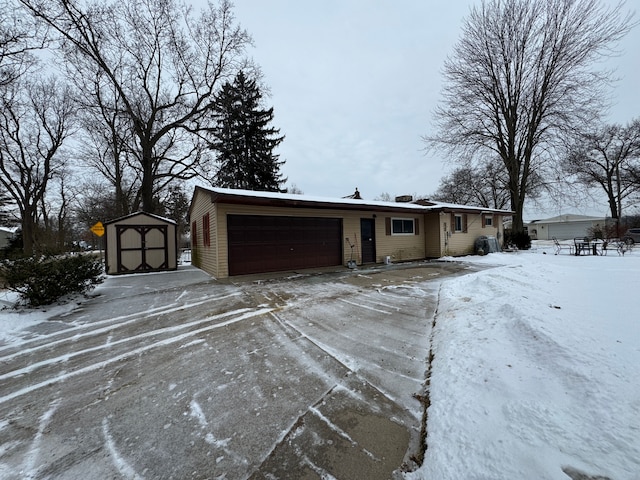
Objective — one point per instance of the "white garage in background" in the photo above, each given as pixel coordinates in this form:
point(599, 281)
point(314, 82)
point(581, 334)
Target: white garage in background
point(564, 227)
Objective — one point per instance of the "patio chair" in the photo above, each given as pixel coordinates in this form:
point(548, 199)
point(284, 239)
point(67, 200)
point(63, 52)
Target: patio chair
point(562, 246)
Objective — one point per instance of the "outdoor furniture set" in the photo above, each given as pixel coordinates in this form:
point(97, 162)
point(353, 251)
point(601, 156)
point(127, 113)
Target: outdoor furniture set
point(593, 246)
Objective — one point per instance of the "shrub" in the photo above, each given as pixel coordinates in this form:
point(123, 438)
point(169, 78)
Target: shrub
point(45, 279)
point(521, 240)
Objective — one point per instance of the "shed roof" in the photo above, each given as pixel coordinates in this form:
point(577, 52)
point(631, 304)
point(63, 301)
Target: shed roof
point(275, 199)
point(135, 214)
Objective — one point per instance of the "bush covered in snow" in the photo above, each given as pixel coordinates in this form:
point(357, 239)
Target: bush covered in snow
point(42, 280)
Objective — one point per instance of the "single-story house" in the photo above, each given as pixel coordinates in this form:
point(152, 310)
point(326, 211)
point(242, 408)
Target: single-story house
point(140, 242)
point(236, 232)
point(564, 227)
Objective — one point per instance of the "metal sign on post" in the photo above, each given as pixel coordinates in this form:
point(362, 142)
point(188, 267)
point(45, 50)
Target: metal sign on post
point(98, 229)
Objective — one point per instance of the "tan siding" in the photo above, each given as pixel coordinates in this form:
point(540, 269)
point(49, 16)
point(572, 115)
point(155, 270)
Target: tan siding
point(200, 255)
point(400, 247)
point(460, 243)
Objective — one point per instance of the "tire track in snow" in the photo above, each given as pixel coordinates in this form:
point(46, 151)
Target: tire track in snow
point(108, 345)
point(123, 467)
point(30, 468)
point(123, 356)
point(111, 324)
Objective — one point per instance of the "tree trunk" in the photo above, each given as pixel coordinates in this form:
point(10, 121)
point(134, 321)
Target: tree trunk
point(146, 187)
point(28, 232)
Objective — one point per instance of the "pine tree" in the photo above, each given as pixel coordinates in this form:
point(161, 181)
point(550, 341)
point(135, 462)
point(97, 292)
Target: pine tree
point(244, 140)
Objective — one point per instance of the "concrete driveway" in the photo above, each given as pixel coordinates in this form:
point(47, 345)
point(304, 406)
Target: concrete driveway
point(176, 375)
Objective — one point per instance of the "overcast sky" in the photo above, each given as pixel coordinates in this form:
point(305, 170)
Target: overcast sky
point(354, 84)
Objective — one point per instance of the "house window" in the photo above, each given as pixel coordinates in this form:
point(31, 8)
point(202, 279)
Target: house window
point(457, 223)
point(488, 220)
point(206, 231)
point(402, 226)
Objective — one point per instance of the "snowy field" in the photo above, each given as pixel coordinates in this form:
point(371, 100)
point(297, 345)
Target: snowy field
point(537, 369)
point(535, 372)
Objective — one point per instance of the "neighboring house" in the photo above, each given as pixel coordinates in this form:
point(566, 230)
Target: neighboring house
point(564, 227)
point(236, 232)
point(140, 242)
point(6, 234)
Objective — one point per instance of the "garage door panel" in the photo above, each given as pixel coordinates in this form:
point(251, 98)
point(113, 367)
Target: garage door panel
point(267, 243)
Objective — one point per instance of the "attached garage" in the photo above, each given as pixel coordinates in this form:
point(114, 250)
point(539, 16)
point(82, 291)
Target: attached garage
point(140, 242)
point(260, 243)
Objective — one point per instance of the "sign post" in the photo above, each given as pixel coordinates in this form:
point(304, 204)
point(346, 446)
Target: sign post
point(98, 231)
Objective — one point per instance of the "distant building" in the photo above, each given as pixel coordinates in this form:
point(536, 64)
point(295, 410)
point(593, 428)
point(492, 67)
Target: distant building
point(6, 234)
point(564, 227)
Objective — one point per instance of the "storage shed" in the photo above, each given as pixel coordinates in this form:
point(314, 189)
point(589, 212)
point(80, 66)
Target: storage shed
point(140, 242)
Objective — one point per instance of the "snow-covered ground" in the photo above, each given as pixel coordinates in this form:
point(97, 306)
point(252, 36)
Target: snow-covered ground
point(535, 372)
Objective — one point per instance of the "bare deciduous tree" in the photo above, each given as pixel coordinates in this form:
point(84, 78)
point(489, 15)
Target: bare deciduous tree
point(521, 79)
point(608, 158)
point(486, 185)
point(18, 38)
point(162, 66)
point(483, 187)
point(107, 149)
point(36, 117)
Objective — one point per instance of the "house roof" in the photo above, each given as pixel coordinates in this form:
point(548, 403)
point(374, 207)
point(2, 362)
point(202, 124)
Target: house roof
point(274, 199)
point(569, 218)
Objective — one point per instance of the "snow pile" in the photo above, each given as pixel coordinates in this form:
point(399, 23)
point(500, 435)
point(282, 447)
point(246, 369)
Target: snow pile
point(536, 370)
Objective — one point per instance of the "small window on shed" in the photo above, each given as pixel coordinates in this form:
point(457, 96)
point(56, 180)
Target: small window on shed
point(488, 220)
point(402, 226)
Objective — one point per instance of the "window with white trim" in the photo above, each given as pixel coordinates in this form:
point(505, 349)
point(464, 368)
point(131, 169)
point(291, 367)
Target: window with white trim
point(457, 227)
point(402, 226)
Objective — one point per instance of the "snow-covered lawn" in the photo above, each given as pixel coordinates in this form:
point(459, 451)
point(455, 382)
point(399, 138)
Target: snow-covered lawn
point(536, 368)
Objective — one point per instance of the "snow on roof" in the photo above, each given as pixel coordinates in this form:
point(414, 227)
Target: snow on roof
point(347, 201)
point(157, 217)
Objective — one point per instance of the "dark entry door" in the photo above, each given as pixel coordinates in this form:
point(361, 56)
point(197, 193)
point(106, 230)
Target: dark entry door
point(368, 236)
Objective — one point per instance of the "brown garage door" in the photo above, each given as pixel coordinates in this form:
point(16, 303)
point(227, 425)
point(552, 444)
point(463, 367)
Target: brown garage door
point(269, 244)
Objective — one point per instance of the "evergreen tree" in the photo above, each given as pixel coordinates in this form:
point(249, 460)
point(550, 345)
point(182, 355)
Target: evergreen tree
point(244, 140)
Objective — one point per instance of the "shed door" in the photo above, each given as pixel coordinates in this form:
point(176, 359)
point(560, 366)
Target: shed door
point(260, 243)
point(142, 248)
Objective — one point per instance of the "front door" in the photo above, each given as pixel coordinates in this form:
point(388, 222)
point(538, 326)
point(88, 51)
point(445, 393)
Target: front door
point(368, 236)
